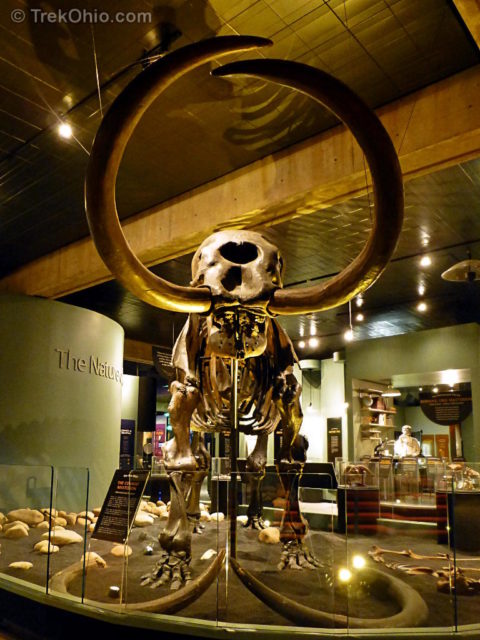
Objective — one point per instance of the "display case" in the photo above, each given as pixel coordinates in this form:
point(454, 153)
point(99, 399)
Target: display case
point(299, 573)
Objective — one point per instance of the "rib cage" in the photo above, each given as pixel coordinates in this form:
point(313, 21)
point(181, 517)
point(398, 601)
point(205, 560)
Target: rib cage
point(257, 411)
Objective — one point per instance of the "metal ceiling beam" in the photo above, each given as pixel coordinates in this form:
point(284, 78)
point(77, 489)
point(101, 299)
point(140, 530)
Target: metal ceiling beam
point(432, 129)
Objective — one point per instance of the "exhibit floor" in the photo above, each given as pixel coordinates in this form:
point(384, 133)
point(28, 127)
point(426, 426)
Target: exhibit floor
point(227, 600)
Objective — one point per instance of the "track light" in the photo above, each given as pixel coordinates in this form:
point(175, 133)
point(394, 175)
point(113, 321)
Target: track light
point(65, 130)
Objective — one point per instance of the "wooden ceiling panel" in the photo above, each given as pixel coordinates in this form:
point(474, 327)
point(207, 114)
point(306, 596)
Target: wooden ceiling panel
point(203, 128)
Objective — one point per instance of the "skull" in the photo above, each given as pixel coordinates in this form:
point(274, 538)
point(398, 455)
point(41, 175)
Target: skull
point(242, 269)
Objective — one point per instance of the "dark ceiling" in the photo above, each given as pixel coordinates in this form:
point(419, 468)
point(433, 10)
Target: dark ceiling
point(203, 128)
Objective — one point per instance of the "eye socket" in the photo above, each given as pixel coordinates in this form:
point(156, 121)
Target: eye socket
point(239, 253)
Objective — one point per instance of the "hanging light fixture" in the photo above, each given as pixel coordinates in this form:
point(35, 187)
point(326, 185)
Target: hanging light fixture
point(391, 392)
point(465, 271)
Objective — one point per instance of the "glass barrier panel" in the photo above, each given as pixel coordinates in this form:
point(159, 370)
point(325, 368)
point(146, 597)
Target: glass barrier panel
point(398, 540)
point(151, 567)
point(282, 552)
point(71, 522)
point(25, 501)
point(462, 497)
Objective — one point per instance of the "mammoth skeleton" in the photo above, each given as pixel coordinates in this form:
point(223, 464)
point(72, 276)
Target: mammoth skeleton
point(232, 334)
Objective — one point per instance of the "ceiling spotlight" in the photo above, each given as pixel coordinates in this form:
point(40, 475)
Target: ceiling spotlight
point(425, 239)
point(426, 261)
point(65, 130)
point(421, 306)
point(421, 289)
point(301, 344)
point(435, 389)
point(348, 335)
point(420, 388)
point(313, 342)
point(359, 301)
point(359, 317)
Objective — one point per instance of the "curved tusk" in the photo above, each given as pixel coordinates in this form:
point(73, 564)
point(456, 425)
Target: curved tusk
point(107, 152)
point(386, 176)
point(414, 611)
point(166, 604)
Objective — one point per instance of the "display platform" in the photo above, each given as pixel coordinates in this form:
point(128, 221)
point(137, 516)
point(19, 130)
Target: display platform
point(372, 580)
point(228, 602)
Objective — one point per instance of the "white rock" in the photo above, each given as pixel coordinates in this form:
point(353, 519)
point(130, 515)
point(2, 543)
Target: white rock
point(43, 547)
point(29, 516)
point(3, 518)
point(205, 516)
point(121, 550)
point(71, 518)
point(92, 558)
point(270, 535)
point(143, 519)
point(63, 537)
point(218, 515)
point(21, 564)
point(91, 527)
point(9, 525)
point(49, 513)
point(89, 515)
point(16, 532)
point(43, 525)
point(83, 521)
point(160, 503)
point(96, 511)
point(209, 553)
point(59, 521)
point(242, 519)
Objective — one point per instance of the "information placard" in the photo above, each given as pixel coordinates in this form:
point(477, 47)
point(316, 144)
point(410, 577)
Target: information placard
point(120, 505)
point(334, 439)
point(446, 408)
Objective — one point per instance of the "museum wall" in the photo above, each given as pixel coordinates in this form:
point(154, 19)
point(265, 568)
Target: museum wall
point(456, 347)
point(322, 398)
point(60, 397)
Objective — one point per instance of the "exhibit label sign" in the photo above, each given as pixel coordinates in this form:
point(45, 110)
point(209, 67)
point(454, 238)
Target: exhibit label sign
point(451, 407)
point(120, 505)
point(334, 438)
point(127, 443)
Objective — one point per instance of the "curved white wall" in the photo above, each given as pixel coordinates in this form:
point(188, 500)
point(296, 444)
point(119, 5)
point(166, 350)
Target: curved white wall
point(60, 391)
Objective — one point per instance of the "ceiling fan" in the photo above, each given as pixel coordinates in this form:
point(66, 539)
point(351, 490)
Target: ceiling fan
point(464, 271)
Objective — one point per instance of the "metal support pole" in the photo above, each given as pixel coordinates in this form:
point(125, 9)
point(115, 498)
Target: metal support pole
point(232, 490)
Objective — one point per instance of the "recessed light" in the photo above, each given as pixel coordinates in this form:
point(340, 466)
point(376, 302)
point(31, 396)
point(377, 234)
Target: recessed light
point(301, 344)
point(435, 389)
point(65, 130)
point(421, 306)
point(359, 317)
point(426, 261)
point(313, 342)
point(359, 301)
point(348, 335)
point(421, 289)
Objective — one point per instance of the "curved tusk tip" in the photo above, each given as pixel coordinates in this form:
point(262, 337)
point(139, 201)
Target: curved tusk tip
point(229, 69)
